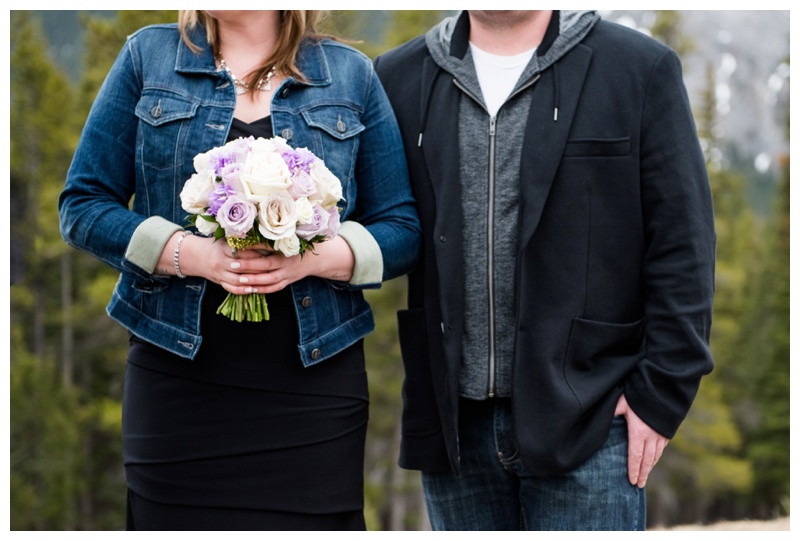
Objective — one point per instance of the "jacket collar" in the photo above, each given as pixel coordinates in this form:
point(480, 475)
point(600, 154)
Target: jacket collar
point(542, 148)
point(459, 43)
point(311, 59)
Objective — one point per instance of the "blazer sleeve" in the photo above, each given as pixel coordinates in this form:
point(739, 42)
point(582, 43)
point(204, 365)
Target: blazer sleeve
point(678, 266)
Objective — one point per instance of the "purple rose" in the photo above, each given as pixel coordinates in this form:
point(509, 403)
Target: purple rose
point(302, 185)
point(230, 176)
point(319, 224)
point(236, 216)
point(333, 222)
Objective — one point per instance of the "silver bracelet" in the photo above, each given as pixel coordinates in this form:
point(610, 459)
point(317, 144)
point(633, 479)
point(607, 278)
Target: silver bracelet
point(177, 253)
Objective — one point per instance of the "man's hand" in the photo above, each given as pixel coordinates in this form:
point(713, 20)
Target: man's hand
point(645, 445)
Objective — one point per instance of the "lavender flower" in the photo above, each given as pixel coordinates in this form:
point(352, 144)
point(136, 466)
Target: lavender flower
point(298, 159)
point(219, 161)
point(218, 197)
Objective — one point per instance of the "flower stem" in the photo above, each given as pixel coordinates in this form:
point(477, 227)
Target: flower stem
point(250, 307)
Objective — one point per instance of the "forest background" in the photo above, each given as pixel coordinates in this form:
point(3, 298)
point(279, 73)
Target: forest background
point(730, 459)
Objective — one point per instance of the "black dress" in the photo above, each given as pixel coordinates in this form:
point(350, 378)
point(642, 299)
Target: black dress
point(244, 437)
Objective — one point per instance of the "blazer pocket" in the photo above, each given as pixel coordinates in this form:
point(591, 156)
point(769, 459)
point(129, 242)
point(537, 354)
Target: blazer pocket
point(420, 413)
point(600, 355)
point(588, 148)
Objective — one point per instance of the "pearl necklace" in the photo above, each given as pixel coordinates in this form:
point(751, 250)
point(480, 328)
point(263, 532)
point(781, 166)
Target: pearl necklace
point(264, 84)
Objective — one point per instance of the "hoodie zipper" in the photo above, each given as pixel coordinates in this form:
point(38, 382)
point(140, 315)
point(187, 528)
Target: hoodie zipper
point(490, 391)
point(490, 243)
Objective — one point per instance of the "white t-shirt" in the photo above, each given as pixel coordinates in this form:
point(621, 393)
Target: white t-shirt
point(498, 75)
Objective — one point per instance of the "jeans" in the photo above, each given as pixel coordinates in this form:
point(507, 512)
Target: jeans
point(495, 491)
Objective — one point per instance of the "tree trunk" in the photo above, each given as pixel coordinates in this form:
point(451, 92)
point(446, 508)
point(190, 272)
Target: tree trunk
point(67, 329)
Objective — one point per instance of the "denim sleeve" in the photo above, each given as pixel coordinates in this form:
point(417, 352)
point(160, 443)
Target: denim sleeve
point(385, 205)
point(94, 208)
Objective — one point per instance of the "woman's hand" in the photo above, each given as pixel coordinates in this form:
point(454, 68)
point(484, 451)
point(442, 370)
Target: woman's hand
point(251, 271)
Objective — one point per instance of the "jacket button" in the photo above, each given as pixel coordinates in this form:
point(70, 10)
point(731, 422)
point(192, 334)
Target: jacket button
point(442, 238)
point(341, 126)
point(287, 134)
point(285, 92)
point(156, 111)
point(306, 302)
point(315, 354)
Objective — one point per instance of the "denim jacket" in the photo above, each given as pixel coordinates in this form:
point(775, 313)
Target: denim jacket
point(160, 105)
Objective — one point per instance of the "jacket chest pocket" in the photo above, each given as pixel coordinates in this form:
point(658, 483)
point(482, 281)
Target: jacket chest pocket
point(163, 130)
point(334, 130)
point(598, 148)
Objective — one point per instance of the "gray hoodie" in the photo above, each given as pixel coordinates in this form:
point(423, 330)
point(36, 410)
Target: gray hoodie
point(490, 176)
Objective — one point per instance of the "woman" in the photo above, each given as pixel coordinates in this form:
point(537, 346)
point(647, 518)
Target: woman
point(227, 425)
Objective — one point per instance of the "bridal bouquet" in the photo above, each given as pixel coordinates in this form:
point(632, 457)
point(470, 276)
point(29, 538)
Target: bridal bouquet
point(262, 191)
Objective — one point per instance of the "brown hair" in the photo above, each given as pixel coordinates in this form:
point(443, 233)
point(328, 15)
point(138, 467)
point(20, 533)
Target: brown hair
point(295, 25)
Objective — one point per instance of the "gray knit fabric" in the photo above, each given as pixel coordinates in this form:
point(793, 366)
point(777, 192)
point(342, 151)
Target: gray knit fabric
point(474, 146)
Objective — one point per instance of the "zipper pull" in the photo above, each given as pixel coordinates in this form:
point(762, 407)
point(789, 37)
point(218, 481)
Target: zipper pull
point(492, 125)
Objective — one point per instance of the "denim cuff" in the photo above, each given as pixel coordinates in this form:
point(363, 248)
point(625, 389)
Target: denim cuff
point(369, 259)
point(148, 241)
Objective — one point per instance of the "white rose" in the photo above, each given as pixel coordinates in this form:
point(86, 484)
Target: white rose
point(261, 145)
point(206, 227)
point(329, 189)
point(194, 196)
point(264, 174)
point(304, 209)
point(277, 216)
point(202, 161)
point(289, 246)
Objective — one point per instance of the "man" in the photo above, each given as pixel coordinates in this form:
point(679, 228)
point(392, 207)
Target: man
point(558, 325)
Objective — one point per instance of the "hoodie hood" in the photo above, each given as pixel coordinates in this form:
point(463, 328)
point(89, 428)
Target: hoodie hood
point(448, 42)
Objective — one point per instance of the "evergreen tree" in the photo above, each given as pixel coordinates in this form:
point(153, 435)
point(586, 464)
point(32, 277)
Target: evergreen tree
point(703, 464)
point(45, 423)
point(769, 448)
point(65, 423)
point(765, 414)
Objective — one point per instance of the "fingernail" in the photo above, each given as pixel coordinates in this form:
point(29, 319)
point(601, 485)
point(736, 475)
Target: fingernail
point(249, 290)
point(235, 265)
point(243, 280)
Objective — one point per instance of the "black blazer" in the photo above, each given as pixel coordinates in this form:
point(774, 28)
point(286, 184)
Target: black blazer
point(615, 261)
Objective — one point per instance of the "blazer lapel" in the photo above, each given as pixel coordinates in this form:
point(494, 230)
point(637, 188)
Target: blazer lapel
point(545, 138)
point(440, 150)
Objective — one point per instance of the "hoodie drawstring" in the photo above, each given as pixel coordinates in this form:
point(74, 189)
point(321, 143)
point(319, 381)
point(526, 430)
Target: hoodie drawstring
point(556, 94)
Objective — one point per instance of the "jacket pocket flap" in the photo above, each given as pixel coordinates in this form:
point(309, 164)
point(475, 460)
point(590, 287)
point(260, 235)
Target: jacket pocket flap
point(157, 108)
point(598, 339)
point(600, 356)
point(586, 148)
point(338, 121)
